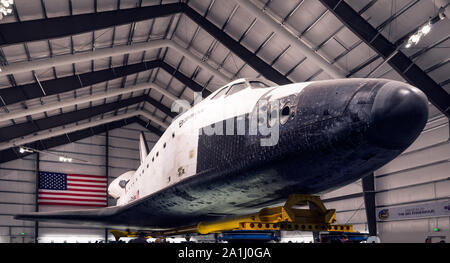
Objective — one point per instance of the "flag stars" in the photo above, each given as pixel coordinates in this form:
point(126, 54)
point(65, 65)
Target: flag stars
point(52, 181)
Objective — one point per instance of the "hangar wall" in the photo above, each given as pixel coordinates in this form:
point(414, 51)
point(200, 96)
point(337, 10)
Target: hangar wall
point(420, 175)
point(17, 183)
point(349, 206)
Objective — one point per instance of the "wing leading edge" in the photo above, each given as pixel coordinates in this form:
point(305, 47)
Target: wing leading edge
point(95, 217)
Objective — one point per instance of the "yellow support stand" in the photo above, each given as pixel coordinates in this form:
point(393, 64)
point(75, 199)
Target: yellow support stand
point(288, 218)
point(118, 234)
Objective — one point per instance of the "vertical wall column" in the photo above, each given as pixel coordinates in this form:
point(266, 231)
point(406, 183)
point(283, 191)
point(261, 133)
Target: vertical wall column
point(36, 204)
point(107, 175)
point(368, 184)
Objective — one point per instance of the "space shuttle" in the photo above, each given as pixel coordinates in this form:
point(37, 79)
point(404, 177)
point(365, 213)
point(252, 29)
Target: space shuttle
point(251, 144)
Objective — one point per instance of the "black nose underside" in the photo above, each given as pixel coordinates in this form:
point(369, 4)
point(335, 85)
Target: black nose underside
point(398, 115)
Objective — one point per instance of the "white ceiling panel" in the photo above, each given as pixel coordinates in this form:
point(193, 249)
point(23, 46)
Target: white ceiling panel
point(14, 53)
point(220, 11)
point(441, 74)
point(288, 60)
point(60, 46)
point(129, 4)
point(239, 23)
point(82, 7)
point(29, 9)
point(121, 35)
point(38, 49)
point(306, 15)
point(23, 78)
point(56, 8)
point(368, 69)
point(323, 29)
point(272, 49)
point(281, 8)
point(160, 27)
point(45, 74)
point(304, 71)
point(83, 67)
point(354, 57)
point(256, 36)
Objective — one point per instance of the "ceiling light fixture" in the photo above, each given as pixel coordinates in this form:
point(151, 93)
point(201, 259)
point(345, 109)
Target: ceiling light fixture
point(422, 31)
point(426, 29)
point(23, 149)
point(65, 159)
point(415, 38)
point(5, 7)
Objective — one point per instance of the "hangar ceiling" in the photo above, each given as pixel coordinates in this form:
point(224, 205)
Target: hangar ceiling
point(70, 65)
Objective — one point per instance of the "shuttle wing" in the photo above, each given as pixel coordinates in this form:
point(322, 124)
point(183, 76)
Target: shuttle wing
point(93, 217)
point(124, 216)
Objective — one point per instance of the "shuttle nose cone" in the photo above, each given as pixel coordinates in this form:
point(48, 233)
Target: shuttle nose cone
point(398, 115)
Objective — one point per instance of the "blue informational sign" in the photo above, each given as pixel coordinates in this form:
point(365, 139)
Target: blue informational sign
point(414, 211)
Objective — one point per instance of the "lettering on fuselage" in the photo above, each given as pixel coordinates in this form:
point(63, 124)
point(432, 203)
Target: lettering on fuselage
point(190, 116)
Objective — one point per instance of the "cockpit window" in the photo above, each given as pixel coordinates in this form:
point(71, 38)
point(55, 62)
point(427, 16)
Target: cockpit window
point(220, 93)
point(258, 84)
point(236, 88)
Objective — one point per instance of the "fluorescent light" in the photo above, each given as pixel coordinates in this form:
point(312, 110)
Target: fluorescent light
point(24, 150)
point(65, 159)
point(415, 38)
point(426, 29)
point(7, 3)
point(4, 7)
point(422, 31)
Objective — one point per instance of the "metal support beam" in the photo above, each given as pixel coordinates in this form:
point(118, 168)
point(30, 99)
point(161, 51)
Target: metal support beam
point(368, 184)
point(102, 53)
point(36, 197)
point(149, 127)
point(10, 154)
point(295, 41)
point(50, 133)
point(59, 85)
point(13, 33)
point(189, 82)
point(246, 55)
point(107, 174)
point(85, 99)
point(399, 61)
point(41, 29)
point(37, 125)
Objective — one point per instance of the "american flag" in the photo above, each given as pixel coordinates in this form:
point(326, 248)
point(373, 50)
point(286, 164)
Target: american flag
point(72, 189)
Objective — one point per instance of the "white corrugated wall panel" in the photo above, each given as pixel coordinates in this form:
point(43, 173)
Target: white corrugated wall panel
point(420, 175)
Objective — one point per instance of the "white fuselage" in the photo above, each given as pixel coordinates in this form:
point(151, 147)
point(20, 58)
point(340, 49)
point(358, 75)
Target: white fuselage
point(174, 157)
